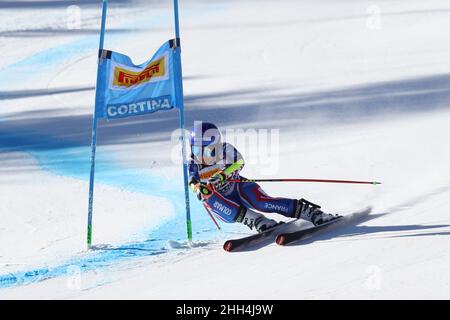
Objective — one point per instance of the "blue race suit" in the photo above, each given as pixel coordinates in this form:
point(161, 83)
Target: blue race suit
point(231, 198)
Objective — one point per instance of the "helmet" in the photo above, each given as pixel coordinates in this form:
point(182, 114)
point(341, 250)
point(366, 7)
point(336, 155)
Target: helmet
point(205, 136)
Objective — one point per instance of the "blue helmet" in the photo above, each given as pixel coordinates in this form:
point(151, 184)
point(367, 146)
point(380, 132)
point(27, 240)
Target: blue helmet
point(204, 137)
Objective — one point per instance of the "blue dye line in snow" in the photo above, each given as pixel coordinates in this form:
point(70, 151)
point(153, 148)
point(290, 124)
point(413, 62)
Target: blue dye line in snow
point(46, 60)
point(73, 162)
point(86, 262)
point(61, 158)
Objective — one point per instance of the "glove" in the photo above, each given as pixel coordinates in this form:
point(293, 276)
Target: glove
point(204, 192)
point(201, 190)
point(217, 179)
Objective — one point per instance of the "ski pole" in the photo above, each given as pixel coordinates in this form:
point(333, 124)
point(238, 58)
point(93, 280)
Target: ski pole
point(212, 217)
point(306, 180)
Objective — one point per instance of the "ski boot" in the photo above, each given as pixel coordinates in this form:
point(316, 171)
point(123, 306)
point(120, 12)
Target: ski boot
point(253, 219)
point(311, 212)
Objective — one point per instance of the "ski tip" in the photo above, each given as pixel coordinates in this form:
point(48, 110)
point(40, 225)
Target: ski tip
point(228, 246)
point(280, 240)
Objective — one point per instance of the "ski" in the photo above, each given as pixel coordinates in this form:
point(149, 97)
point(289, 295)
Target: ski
point(259, 238)
point(286, 233)
point(302, 234)
point(286, 238)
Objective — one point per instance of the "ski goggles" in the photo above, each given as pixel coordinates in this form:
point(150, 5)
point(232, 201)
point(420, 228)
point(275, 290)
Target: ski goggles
point(201, 151)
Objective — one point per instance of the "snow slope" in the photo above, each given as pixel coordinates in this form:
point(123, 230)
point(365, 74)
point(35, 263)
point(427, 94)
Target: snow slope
point(355, 94)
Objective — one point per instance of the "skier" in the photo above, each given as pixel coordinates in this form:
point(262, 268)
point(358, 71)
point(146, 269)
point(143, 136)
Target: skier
point(214, 163)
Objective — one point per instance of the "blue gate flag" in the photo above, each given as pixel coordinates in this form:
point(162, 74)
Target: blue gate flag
point(125, 89)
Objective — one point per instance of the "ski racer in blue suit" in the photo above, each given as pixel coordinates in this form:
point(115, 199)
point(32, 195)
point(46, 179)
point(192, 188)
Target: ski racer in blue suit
point(213, 167)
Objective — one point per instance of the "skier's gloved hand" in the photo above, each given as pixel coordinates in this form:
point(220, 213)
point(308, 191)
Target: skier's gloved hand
point(201, 190)
point(204, 192)
point(217, 179)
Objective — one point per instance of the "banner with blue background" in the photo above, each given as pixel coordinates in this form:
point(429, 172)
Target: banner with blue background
point(125, 89)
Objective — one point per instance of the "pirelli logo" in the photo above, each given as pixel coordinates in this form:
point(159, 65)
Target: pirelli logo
point(125, 77)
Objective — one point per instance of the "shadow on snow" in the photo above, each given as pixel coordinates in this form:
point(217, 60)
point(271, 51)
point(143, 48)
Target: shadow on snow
point(50, 129)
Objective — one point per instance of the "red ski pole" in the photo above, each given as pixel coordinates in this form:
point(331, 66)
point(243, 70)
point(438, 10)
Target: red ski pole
point(307, 180)
point(212, 217)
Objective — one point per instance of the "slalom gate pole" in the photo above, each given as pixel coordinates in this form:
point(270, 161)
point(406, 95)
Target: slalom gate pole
point(94, 131)
point(180, 105)
point(306, 180)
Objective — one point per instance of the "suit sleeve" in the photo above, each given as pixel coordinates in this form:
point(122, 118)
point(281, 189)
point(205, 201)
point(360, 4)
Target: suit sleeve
point(233, 160)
